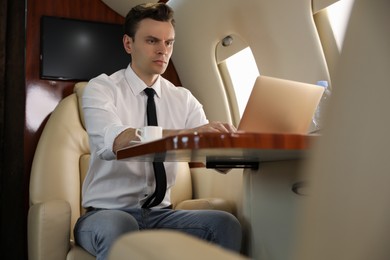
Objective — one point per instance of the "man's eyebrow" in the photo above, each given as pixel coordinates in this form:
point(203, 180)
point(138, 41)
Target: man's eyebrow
point(158, 39)
point(151, 37)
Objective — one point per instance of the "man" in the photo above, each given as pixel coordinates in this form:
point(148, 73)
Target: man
point(115, 192)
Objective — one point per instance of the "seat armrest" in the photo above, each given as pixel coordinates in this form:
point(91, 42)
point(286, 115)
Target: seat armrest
point(48, 230)
point(206, 203)
point(167, 245)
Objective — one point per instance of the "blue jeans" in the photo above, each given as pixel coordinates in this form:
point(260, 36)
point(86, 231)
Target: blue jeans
point(97, 230)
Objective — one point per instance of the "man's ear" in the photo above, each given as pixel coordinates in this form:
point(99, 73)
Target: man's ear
point(127, 43)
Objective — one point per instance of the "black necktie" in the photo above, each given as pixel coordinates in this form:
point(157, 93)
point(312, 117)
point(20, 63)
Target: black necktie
point(158, 167)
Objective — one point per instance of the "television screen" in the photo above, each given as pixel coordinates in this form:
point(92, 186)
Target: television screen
point(80, 50)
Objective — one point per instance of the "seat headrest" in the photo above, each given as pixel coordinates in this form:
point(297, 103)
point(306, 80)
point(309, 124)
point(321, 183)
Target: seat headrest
point(79, 90)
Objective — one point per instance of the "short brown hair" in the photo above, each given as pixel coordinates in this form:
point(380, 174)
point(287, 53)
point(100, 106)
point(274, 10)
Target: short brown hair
point(156, 11)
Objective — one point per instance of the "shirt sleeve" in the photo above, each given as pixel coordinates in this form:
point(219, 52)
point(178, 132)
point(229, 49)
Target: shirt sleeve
point(101, 120)
point(196, 115)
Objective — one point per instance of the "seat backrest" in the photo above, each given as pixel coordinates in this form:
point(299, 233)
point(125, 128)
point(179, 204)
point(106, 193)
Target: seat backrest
point(347, 213)
point(62, 154)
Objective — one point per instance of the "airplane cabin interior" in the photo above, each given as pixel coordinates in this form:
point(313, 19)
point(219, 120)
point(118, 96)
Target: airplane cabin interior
point(317, 193)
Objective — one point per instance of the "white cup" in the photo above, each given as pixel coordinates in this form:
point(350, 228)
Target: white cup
point(149, 133)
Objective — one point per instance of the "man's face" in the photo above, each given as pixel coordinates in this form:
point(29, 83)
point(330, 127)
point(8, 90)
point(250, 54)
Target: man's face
point(151, 48)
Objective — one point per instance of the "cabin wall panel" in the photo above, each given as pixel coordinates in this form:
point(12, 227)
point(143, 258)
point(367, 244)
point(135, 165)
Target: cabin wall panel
point(281, 34)
point(12, 180)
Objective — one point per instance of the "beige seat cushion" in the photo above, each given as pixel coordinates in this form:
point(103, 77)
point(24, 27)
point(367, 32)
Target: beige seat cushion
point(167, 245)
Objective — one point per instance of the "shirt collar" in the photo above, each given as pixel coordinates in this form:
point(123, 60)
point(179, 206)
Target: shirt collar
point(137, 85)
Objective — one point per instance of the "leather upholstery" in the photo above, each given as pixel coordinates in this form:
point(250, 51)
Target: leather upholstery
point(55, 183)
point(347, 213)
point(60, 163)
point(167, 245)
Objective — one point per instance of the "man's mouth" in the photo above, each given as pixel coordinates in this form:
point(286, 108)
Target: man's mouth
point(161, 62)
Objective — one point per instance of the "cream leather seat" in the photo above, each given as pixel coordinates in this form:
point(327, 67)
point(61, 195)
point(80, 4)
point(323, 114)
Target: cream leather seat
point(167, 245)
point(60, 163)
point(347, 215)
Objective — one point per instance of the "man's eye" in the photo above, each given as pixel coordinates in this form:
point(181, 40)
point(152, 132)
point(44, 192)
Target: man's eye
point(151, 41)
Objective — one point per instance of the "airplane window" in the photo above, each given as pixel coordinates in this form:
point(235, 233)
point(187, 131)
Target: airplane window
point(243, 72)
point(339, 14)
point(331, 23)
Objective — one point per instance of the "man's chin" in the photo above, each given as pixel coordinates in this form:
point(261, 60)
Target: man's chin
point(160, 66)
point(161, 71)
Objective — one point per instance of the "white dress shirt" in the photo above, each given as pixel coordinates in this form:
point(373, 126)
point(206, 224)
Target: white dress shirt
point(112, 104)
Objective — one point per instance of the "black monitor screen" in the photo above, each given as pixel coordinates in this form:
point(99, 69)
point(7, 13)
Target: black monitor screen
point(80, 50)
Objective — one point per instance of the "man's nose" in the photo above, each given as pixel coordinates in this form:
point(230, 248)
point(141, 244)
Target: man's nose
point(162, 49)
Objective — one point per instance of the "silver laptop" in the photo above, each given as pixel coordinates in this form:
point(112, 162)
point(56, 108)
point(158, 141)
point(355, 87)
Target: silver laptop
point(280, 106)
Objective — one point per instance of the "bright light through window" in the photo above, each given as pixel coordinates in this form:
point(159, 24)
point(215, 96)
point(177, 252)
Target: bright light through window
point(243, 72)
point(339, 14)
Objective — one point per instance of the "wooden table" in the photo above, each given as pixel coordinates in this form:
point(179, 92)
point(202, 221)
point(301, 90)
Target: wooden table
point(216, 150)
